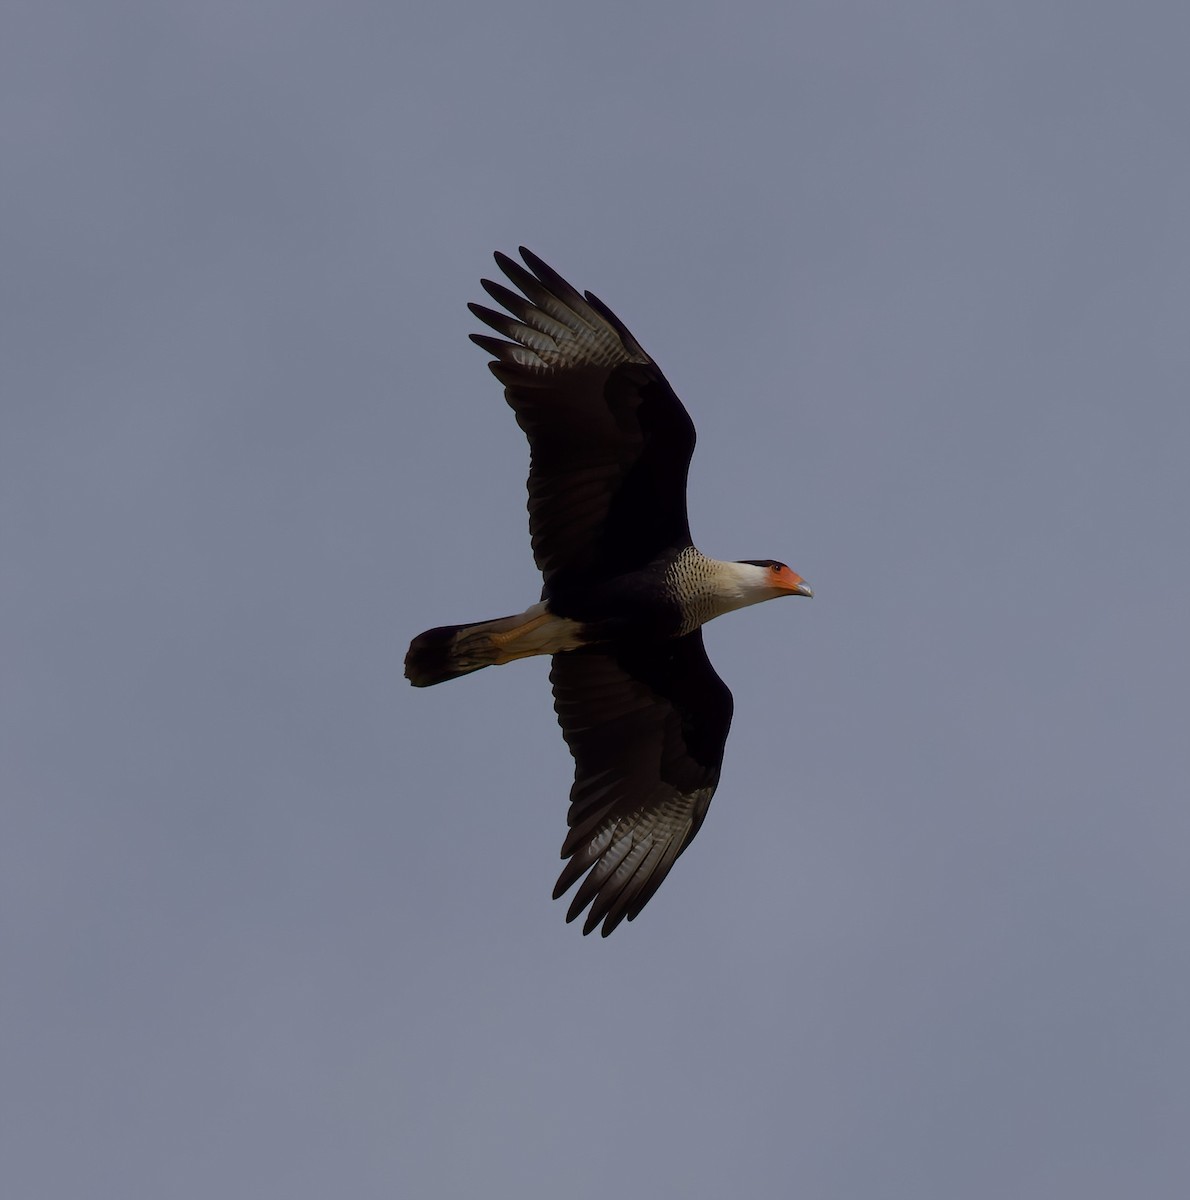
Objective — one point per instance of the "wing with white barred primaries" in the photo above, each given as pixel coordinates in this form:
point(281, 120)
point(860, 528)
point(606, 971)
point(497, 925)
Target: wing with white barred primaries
point(610, 441)
point(646, 724)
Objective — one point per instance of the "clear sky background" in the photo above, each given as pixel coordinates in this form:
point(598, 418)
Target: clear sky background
point(275, 924)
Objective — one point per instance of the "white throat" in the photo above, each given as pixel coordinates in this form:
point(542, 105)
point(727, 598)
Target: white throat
point(739, 584)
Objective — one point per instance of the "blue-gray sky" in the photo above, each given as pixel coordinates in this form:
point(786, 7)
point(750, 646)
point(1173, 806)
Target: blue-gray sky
point(276, 925)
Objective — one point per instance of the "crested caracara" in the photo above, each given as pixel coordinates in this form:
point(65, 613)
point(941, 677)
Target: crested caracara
point(626, 593)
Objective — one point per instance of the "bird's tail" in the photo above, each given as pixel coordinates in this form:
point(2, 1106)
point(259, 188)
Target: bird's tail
point(453, 650)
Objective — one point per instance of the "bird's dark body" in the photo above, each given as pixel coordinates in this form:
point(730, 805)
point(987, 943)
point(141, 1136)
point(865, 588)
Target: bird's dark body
point(636, 605)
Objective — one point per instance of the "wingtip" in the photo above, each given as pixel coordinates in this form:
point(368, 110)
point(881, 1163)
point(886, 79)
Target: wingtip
point(541, 269)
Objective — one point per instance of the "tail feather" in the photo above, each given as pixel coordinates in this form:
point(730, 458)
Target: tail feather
point(453, 650)
point(431, 657)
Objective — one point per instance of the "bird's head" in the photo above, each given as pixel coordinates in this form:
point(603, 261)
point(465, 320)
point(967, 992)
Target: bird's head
point(772, 579)
point(752, 581)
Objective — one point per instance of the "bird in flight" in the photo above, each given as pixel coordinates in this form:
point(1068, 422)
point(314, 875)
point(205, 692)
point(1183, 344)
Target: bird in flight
point(626, 593)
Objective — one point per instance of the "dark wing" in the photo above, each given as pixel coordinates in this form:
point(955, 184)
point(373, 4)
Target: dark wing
point(646, 724)
point(610, 441)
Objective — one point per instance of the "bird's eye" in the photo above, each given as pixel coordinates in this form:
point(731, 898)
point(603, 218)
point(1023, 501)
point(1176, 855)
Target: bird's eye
point(776, 568)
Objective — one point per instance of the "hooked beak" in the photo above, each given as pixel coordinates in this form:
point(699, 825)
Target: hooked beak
point(794, 584)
